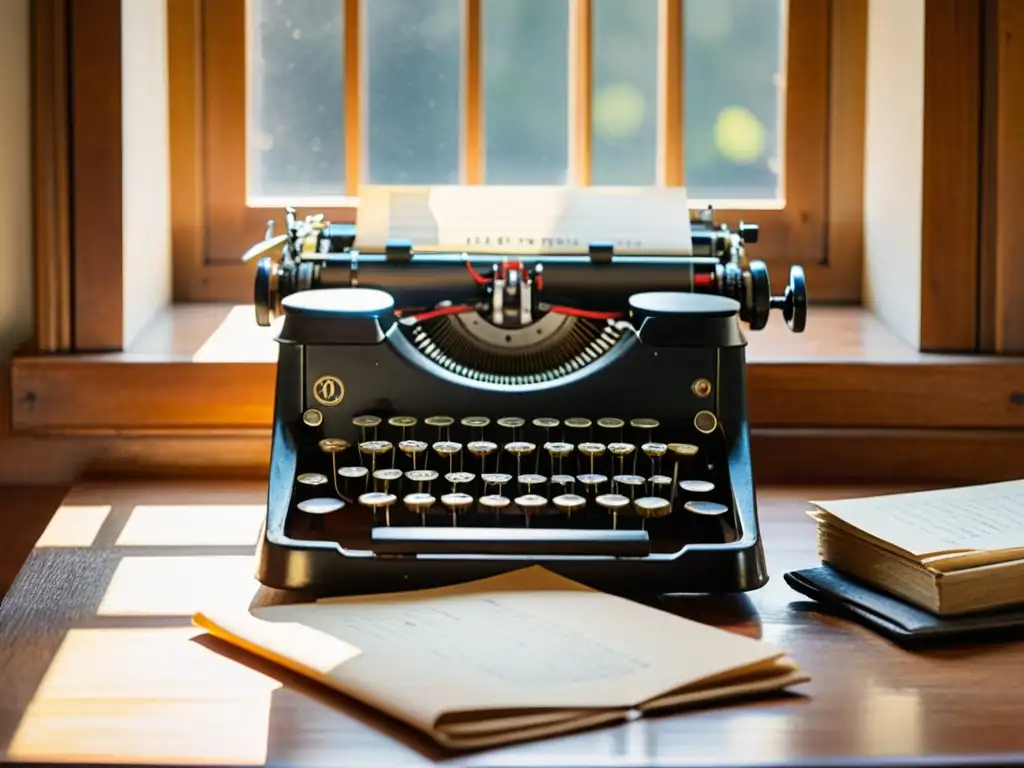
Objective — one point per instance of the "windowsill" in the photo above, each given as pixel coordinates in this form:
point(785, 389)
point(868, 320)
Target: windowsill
point(208, 368)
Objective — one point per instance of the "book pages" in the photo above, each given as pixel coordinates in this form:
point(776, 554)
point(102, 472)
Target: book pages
point(938, 527)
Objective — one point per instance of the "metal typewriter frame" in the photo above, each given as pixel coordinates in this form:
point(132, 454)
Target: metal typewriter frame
point(738, 292)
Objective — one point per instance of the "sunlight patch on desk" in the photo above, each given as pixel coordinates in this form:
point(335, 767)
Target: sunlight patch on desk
point(238, 339)
point(179, 586)
point(892, 721)
point(145, 696)
point(192, 525)
point(74, 526)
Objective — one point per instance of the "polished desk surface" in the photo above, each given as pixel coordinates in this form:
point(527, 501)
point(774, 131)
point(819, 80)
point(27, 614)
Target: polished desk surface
point(99, 663)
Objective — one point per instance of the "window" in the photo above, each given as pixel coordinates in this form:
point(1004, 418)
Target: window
point(301, 102)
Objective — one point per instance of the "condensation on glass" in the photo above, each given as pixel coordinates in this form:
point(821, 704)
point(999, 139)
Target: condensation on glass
point(734, 98)
point(624, 98)
point(412, 59)
point(525, 62)
point(295, 141)
point(412, 95)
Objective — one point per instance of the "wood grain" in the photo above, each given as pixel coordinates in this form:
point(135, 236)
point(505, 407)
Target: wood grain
point(1001, 314)
point(78, 638)
point(96, 164)
point(51, 172)
point(951, 174)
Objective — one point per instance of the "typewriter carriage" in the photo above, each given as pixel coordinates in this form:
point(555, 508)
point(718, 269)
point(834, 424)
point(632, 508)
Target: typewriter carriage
point(403, 336)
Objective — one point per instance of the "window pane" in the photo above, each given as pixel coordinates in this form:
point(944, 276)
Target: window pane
point(525, 61)
point(413, 91)
point(295, 142)
point(734, 92)
point(624, 111)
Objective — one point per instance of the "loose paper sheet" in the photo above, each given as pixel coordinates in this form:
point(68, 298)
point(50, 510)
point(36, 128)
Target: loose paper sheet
point(528, 640)
point(525, 220)
point(928, 523)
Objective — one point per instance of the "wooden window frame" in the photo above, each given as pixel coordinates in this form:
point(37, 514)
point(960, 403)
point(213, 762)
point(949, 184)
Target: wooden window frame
point(211, 216)
point(161, 410)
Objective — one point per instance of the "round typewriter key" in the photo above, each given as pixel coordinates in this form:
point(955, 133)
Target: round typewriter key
point(644, 423)
point(546, 423)
point(631, 480)
point(659, 480)
point(683, 449)
point(496, 478)
point(532, 479)
point(569, 502)
point(313, 418)
point(366, 421)
point(403, 422)
point(312, 478)
point(577, 422)
point(447, 448)
point(457, 500)
point(705, 508)
point(519, 448)
point(531, 502)
point(419, 502)
point(322, 506)
point(592, 479)
point(612, 501)
point(481, 447)
point(511, 422)
point(558, 450)
point(652, 506)
point(421, 475)
point(375, 447)
point(697, 486)
point(439, 421)
point(609, 422)
point(563, 479)
point(592, 449)
point(376, 499)
point(387, 475)
point(476, 422)
point(705, 422)
point(654, 449)
point(353, 472)
point(412, 448)
point(459, 477)
point(494, 501)
point(333, 445)
point(621, 449)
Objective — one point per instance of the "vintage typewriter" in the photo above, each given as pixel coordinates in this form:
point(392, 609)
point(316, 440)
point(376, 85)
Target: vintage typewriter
point(447, 416)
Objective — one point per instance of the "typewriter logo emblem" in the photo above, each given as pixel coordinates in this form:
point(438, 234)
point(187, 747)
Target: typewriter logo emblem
point(328, 390)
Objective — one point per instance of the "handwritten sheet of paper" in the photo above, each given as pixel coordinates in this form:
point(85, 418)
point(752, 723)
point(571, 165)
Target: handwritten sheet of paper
point(525, 640)
point(979, 517)
point(525, 220)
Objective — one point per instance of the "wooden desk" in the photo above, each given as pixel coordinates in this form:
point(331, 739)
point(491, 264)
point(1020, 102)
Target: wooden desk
point(98, 663)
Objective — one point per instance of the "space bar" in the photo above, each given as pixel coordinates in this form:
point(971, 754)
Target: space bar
point(409, 540)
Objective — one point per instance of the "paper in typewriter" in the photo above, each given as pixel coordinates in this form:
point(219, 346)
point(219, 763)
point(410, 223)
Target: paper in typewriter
point(509, 658)
point(525, 220)
point(945, 529)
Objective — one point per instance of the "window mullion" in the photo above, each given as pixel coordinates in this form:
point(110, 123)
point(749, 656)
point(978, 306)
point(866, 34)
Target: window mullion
point(472, 95)
point(353, 86)
point(671, 84)
point(580, 89)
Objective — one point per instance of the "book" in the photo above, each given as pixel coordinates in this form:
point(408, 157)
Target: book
point(951, 551)
point(514, 657)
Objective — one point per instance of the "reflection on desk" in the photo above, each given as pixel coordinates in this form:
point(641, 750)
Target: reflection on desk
point(100, 664)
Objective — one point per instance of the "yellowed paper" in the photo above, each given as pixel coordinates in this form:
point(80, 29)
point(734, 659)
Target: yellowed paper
point(525, 219)
point(506, 648)
point(929, 524)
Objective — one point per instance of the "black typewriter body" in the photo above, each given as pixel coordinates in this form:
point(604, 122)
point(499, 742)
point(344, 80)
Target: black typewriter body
point(426, 433)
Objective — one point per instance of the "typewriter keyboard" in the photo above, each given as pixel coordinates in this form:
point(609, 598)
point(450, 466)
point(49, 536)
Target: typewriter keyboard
point(389, 474)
